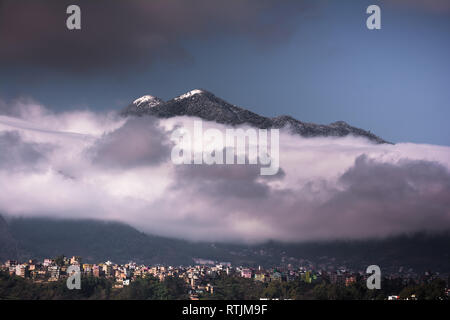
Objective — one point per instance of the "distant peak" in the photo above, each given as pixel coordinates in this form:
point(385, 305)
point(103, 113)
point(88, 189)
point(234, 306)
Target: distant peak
point(149, 100)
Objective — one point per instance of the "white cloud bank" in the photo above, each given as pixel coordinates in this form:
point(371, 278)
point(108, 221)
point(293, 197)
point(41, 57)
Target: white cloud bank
point(82, 164)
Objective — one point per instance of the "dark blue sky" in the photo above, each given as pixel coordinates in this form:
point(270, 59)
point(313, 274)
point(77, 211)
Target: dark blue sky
point(321, 64)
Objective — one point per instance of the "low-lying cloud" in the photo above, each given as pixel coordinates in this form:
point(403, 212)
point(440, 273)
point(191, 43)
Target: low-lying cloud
point(139, 142)
point(82, 164)
point(19, 155)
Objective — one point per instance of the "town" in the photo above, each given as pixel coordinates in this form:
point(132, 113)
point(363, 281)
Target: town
point(206, 277)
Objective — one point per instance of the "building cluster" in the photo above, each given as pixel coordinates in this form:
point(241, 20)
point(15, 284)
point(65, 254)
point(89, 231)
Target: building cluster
point(340, 277)
point(198, 277)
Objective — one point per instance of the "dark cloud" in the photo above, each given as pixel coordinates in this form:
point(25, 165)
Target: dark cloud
point(381, 199)
point(139, 142)
point(371, 200)
point(118, 34)
point(222, 181)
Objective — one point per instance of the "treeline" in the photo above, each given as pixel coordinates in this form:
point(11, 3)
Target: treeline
point(232, 288)
point(225, 288)
point(149, 288)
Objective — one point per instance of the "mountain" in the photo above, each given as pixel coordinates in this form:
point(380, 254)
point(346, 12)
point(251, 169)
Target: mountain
point(8, 246)
point(95, 241)
point(98, 241)
point(205, 105)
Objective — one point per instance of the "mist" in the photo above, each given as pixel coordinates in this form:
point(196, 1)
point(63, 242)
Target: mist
point(98, 165)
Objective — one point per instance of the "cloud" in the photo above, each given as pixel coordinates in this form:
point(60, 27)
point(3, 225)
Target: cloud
point(81, 164)
point(383, 199)
point(139, 142)
point(19, 155)
point(122, 34)
point(221, 181)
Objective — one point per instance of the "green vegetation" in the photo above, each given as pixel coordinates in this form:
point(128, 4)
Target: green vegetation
point(428, 291)
point(231, 288)
point(12, 287)
point(225, 288)
point(151, 288)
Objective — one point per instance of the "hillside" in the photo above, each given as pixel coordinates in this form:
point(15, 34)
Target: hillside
point(98, 241)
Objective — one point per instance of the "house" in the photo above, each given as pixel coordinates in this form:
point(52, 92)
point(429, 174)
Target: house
point(261, 276)
point(21, 270)
point(10, 263)
point(96, 271)
point(210, 288)
point(87, 268)
point(276, 276)
point(75, 260)
point(48, 262)
point(54, 273)
point(246, 273)
point(350, 280)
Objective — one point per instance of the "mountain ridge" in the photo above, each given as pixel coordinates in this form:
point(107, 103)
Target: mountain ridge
point(8, 245)
point(97, 241)
point(205, 105)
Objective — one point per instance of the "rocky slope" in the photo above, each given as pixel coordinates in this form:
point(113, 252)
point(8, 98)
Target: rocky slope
point(205, 105)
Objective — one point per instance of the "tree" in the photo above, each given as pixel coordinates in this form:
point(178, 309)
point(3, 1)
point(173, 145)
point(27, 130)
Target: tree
point(59, 260)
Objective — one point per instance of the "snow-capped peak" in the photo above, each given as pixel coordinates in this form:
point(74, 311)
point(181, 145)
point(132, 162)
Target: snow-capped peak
point(189, 94)
point(151, 101)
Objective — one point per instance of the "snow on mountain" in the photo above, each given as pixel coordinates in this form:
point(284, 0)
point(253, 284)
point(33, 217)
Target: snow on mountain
point(189, 94)
point(142, 104)
point(148, 100)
